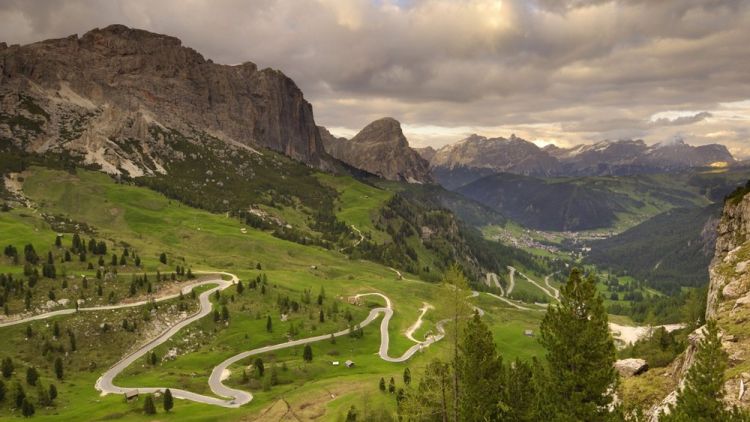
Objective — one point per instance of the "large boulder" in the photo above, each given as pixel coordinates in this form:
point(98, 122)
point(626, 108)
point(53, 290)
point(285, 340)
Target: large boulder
point(631, 367)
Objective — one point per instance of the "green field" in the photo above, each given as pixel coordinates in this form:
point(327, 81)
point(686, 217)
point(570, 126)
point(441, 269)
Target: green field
point(146, 222)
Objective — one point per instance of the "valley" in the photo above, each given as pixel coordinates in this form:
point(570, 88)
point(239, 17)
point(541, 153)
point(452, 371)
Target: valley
point(184, 240)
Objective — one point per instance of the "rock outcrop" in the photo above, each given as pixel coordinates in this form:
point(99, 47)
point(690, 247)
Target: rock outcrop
point(114, 90)
point(381, 149)
point(728, 303)
point(631, 367)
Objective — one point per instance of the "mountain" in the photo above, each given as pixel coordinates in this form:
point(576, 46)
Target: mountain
point(113, 95)
point(380, 148)
point(427, 152)
point(467, 160)
point(584, 203)
point(472, 158)
point(544, 205)
point(669, 251)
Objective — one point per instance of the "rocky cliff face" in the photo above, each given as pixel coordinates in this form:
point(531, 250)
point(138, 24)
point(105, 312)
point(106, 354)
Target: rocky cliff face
point(728, 303)
point(108, 95)
point(381, 149)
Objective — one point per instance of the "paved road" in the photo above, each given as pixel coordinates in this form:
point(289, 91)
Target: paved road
point(105, 383)
point(185, 290)
point(233, 397)
point(240, 397)
point(552, 289)
point(539, 286)
point(512, 282)
point(493, 279)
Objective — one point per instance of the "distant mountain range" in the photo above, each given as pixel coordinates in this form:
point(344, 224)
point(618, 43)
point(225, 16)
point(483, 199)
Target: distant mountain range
point(470, 159)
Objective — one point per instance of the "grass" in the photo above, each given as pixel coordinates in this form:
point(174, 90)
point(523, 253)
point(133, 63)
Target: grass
point(357, 203)
point(150, 224)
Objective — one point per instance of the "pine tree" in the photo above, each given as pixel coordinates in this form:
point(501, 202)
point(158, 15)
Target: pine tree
point(351, 415)
point(31, 375)
point(321, 316)
point(163, 258)
point(225, 313)
point(148, 405)
point(168, 400)
point(59, 368)
point(480, 373)
point(27, 409)
point(42, 396)
point(701, 399)
point(307, 354)
point(381, 385)
point(259, 367)
point(269, 324)
point(2, 390)
point(391, 386)
point(7, 367)
point(19, 395)
point(580, 352)
point(52, 392)
point(407, 376)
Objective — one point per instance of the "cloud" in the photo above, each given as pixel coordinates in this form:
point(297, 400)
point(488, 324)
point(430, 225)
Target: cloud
point(681, 120)
point(583, 70)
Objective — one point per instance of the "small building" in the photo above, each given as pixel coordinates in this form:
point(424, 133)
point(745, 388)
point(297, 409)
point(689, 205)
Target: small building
point(349, 364)
point(131, 395)
point(335, 363)
point(528, 333)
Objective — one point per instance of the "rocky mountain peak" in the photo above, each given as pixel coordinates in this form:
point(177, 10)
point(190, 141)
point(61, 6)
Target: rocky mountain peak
point(382, 149)
point(386, 130)
point(88, 93)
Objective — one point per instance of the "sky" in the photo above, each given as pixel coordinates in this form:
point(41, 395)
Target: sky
point(550, 71)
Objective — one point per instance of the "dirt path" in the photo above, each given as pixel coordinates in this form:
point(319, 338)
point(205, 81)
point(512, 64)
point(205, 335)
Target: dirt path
point(361, 236)
point(418, 323)
point(512, 282)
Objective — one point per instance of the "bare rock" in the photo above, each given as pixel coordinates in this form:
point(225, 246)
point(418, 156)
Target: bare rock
point(631, 367)
point(115, 93)
point(381, 149)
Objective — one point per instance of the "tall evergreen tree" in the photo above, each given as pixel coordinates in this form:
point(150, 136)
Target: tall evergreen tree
point(59, 368)
point(580, 352)
point(307, 354)
point(27, 409)
point(168, 400)
point(259, 367)
point(480, 373)
point(31, 375)
point(457, 285)
point(7, 367)
point(701, 398)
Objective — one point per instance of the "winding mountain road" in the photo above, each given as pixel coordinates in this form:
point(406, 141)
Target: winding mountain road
point(68, 311)
point(512, 282)
point(227, 396)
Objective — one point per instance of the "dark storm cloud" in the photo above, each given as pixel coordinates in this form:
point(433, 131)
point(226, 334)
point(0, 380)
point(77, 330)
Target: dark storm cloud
point(582, 69)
